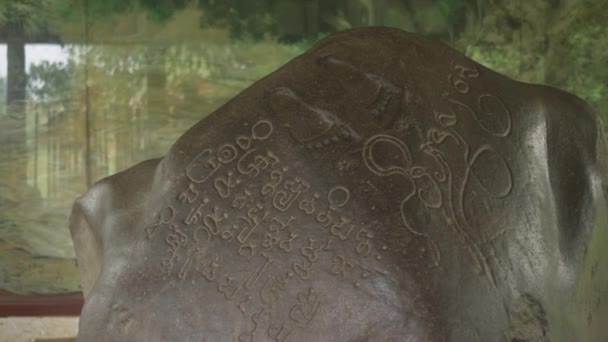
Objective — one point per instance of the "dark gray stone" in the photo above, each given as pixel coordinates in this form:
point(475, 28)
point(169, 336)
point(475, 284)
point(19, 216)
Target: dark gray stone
point(380, 187)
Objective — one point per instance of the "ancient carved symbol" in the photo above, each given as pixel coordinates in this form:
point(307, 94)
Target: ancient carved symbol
point(292, 189)
point(261, 130)
point(212, 221)
point(325, 217)
point(462, 74)
point(259, 162)
point(241, 199)
point(229, 287)
point(209, 270)
point(306, 308)
point(209, 161)
point(165, 217)
point(255, 216)
point(423, 184)
point(249, 336)
point(492, 173)
point(314, 127)
point(188, 264)
point(277, 225)
point(189, 195)
point(203, 166)
point(272, 239)
point(287, 245)
point(276, 177)
point(224, 185)
point(308, 206)
point(493, 115)
point(227, 235)
point(279, 333)
point(310, 252)
point(424, 188)
point(384, 106)
point(175, 239)
point(364, 245)
point(271, 290)
point(195, 213)
point(485, 157)
point(249, 247)
point(226, 153)
point(404, 156)
point(302, 270)
point(341, 266)
point(257, 274)
point(338, 197)
point(342, 229)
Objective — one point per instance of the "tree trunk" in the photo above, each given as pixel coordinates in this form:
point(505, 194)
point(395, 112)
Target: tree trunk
point(379, 10)
point(312, 17)
point(16, 78)
point(14, 144)
point(156, 82)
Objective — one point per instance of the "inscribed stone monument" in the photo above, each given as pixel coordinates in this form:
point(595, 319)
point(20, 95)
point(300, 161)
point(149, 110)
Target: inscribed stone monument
point(380, 187)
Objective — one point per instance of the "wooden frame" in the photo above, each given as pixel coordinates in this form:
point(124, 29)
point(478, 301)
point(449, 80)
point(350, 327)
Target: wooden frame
point(40, 305)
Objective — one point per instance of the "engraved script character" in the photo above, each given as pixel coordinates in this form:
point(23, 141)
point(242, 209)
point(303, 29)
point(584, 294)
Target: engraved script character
point(189, 195)
point(209, 270)
point(287, 245)
point(310, 252)
point(203, 166)
point(283, 199)
point(229, 287)
point(255, 216)
point(340, 266)
point(165, 217)
point(212, 221)
point(188, 264)
point(308, 206)
point(342, 229)
point(305, 310)
point(258, 163)
point(257, 274)
point(226, 153)
point(302, 270)
point(223, 185)
point(364, 238)
point(276, 177)
point(195, 214)
point(276, 225)
point(240, 200)
point(279, 333)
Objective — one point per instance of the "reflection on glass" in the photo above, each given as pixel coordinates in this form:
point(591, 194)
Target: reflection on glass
point(89, 88)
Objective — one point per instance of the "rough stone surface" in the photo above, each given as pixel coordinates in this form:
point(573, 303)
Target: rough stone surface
point(380, 187)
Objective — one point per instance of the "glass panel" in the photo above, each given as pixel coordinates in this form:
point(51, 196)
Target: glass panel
point(89, 88)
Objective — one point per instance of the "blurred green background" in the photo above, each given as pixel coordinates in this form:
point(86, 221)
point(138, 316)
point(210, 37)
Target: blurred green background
point(90, 87)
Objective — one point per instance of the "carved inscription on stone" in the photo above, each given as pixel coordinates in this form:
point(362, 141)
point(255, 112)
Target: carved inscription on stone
point(416, 149)
point(242, 197)
point(436, 183)
point(433, 156)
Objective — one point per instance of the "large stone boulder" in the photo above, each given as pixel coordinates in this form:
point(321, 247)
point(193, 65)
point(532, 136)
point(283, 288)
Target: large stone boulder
point(380, 187)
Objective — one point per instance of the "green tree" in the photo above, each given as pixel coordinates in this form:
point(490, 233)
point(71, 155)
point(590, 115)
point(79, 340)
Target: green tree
point(288, 20)
point(50, 80)
point(99, 11)
point(21, 21)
